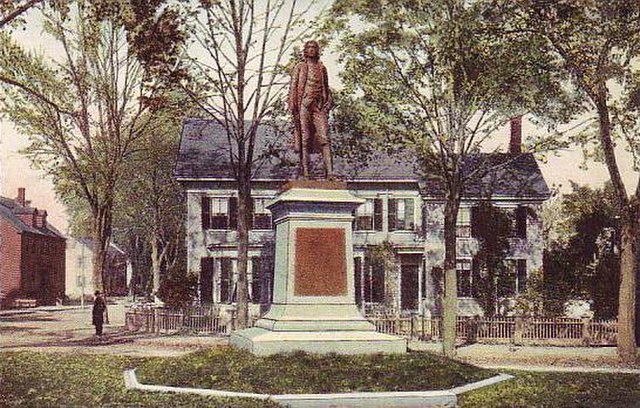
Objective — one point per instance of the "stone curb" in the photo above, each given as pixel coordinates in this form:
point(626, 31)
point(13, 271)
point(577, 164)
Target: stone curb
point(559, 369)
point(444, 398)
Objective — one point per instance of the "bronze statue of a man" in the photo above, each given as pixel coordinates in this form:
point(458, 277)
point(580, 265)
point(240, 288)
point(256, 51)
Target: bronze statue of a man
point(310, 101)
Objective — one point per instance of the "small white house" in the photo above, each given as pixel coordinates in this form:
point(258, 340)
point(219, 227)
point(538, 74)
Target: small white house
point(79, 269)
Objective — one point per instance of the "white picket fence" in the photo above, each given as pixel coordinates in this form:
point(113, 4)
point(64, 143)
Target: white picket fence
point(534, 331)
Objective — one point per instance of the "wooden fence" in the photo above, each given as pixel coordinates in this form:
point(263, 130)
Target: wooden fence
point(196, 320)
point(515, 330)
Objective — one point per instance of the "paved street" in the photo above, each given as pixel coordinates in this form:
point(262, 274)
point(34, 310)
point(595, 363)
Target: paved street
point(69, 329)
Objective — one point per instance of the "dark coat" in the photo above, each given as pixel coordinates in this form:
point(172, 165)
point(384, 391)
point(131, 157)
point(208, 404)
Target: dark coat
point(99, 307)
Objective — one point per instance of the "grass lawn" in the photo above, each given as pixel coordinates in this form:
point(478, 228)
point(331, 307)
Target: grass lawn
point(559, 390)
point(298, 373)
point(86, 380)
point(30, 379)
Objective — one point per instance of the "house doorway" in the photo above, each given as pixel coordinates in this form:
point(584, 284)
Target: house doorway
point(409, 270)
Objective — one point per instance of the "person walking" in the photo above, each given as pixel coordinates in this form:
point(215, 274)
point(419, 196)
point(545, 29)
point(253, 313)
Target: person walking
point(98, 312)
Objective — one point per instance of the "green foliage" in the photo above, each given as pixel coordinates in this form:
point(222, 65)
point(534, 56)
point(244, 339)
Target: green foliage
point(178, 288)
point(435, 78)
point(492, 228)
point(581, 261)
point(299, 372)
point(382, 257)
point(87, 380)
point(558, 390)
point(85, 108)
point(535, 301)
point(150, 205)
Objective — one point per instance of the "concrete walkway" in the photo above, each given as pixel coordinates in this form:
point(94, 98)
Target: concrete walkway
point(537, 358)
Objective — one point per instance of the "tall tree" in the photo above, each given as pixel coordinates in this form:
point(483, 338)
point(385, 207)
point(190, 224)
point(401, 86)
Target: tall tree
point(238, 65)
point(582, 261)
point(595, 48)
point(150, 204)
point(84, 109)
point(425, 76)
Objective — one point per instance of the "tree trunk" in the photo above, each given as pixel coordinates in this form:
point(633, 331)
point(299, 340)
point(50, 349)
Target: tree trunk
point(155, 265)
point(627, 348)
point(99, 257)
point(244, 204)
point(629, 235)
point(450, 310)
point(101, 236)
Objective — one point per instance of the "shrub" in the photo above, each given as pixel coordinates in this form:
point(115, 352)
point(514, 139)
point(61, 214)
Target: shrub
point(178, 289)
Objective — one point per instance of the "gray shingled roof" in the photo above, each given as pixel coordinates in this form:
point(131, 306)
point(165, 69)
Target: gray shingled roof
point(9, 209)
point(204, 154)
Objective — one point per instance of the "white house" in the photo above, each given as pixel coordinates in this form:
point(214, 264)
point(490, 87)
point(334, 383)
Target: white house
point(402, 208)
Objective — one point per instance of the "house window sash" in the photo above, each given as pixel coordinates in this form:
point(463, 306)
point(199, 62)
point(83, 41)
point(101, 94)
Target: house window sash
point(261, 216)
point(364, 216)
point(401, 214)
point(219, 213)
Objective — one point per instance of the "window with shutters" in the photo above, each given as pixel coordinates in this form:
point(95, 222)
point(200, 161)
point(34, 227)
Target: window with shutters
point(219, 213)
point(368, 216)
point(261, 215)
point(401, 214)
point(463, 223)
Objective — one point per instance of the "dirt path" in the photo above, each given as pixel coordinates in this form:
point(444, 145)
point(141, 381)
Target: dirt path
point(69, 329)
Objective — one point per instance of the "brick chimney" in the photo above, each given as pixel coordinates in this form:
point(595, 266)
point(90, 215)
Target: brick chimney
point(21, 195)
point(39, 218)
point(515, 143)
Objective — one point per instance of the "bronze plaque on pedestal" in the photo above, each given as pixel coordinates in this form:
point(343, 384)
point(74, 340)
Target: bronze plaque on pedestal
point(320, 262)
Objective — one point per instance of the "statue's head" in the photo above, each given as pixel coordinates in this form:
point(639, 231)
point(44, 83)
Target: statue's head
point(311, 49)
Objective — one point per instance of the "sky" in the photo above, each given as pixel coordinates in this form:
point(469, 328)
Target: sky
point(16, 171)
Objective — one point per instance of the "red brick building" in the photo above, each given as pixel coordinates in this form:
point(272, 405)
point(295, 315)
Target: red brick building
point(32, 254)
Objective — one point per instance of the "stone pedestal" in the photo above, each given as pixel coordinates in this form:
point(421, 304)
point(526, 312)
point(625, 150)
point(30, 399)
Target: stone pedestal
point(313, 306)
